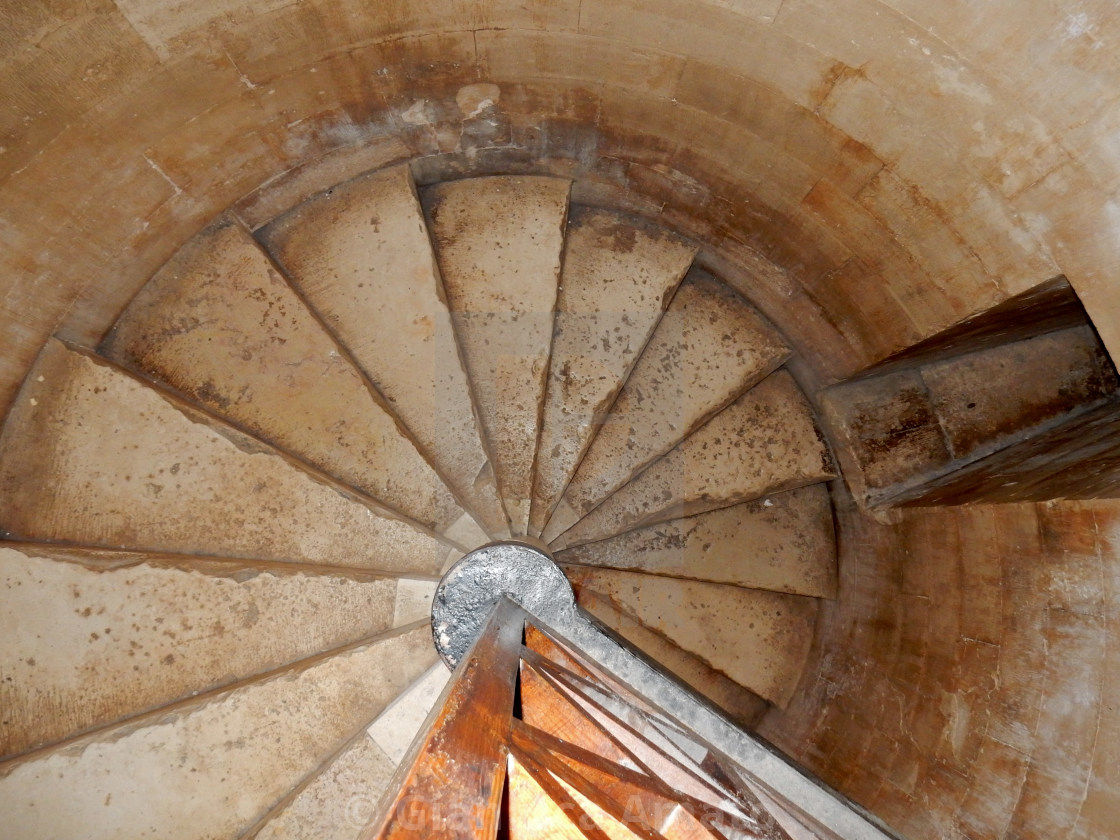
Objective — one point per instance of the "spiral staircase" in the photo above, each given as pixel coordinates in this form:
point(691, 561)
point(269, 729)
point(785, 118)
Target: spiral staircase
point(226, 522)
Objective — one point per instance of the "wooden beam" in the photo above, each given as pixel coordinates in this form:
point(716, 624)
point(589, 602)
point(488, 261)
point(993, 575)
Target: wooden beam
point(450, 785)
point(561, 820)
point(629, 735)
point(645, 803)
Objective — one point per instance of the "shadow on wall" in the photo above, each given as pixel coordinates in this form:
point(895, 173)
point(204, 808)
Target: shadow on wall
point(964, 682)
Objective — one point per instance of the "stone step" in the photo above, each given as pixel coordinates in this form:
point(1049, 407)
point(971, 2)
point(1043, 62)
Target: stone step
point(499, 243)
point(740, 704)
point(337, 802)
point(396, 727)
point(710, 347)
point(230, 758)
point(619, 275)
point(763, 443)
point(782, 543)
point(220, 326)
point(94, 637)
point(341, 800)
point(360, 255)
point(91, 455)
point(758, 639)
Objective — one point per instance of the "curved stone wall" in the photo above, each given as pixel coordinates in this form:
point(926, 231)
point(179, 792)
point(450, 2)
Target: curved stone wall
point(966, 680)
point(868, 173)
point(902, 167)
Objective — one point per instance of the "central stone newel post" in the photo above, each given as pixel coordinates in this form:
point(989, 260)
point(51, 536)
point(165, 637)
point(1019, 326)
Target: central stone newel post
point(468, 592)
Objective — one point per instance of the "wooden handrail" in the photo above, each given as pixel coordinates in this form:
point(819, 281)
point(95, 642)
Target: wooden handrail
point(449, 786)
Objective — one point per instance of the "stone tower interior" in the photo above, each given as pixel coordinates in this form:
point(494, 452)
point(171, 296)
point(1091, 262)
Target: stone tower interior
point(919, 199)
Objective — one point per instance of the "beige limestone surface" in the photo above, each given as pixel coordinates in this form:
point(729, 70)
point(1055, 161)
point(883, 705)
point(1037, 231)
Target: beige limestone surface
point(782, 542)
point(709, 348)
point(618, 278)
point(759, 639)
point(360, 254)
point(87, 645)
point(1009, 610)
point(499, 243)
point(413, 600)
point(741, 704)
point(221, 326)
point(229, 758)
point(1029, 200)
point(93, 456)
point(129, 126)
point(339, 802)
point(397, 726)
point(764, 442)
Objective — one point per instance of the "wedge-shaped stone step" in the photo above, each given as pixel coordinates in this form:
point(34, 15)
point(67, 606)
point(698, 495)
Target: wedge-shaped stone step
point(413, 600)
point(740, 704)
point(709, 348)
point(220, 325)
point(211, 767)
point(783, 543)
point(499, 242)
point(91, 455)
point(337, 803)
point(619, 275)
point(87, 644)
point(396, 727)
point(764, 442)
point(342, 800)
point(360, 255)
point(758, 639)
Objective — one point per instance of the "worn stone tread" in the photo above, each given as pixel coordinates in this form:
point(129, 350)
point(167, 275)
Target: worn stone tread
point(618, 276)
point(91, 455)
point(783, 542)
point(499, 243)
point(758, 639)
point(710, 347)
point(223, 328)
point(396, 727)
point(432, 389)
point(238, 753)
point(340, 800)
point(764, 442)
point(360, 255)
point(741, 704)
point(89, 644)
